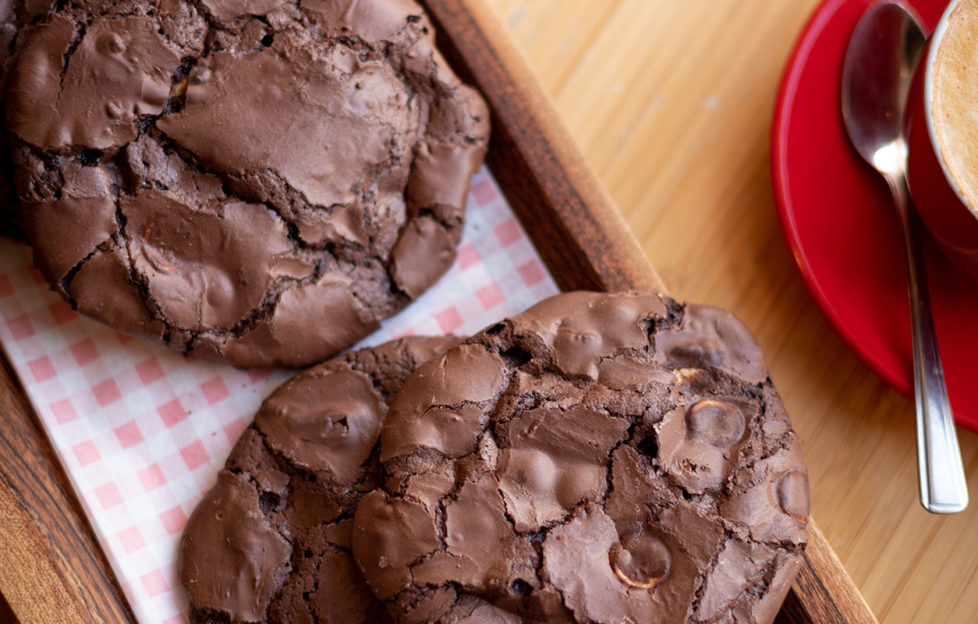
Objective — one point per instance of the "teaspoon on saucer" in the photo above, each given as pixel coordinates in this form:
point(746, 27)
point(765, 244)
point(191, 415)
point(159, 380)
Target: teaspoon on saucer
point(879, 64)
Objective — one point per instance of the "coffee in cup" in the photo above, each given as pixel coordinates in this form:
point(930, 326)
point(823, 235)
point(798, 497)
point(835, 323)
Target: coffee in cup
point(942, 120)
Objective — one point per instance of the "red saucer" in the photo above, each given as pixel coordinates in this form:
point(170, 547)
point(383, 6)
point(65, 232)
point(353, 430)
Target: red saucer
point(838, 219)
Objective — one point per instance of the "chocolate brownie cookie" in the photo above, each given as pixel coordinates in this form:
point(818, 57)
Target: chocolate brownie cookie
point(598, 458)
point(270, 542)
point(259, 181)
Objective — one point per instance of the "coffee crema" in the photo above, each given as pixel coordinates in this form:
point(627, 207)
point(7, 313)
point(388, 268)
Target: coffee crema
point(954, 99)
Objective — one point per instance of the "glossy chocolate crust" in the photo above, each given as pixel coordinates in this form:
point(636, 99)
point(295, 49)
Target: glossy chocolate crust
point(271, 541)
point(257, 181)
point(597, 458)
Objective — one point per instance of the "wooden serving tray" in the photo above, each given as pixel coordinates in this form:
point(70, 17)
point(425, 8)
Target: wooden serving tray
point(51, 567)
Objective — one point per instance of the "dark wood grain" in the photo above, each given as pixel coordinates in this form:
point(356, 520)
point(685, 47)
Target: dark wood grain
point(51, 568)
point(6, 613)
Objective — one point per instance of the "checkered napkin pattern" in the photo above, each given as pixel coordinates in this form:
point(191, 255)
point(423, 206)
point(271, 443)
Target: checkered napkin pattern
point(142, 431)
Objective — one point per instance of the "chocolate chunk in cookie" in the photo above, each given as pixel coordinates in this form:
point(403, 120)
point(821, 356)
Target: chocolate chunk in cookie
point(271, 541)
point(259, 182)
point(597, 458)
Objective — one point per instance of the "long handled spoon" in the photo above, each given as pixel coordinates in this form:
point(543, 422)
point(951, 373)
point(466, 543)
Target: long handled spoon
point(879, 65)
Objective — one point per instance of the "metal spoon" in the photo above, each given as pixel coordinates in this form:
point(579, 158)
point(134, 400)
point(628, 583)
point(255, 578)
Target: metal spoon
point(879, 65)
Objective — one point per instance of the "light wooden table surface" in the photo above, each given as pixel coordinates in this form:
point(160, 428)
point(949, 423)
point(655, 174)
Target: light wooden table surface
point(671, 102)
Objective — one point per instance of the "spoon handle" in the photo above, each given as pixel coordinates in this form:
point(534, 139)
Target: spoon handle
point(941, 473)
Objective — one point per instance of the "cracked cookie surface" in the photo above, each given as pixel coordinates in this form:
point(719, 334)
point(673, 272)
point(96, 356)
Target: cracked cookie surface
point(597, 458)
point(259, 182)
point(270, 542)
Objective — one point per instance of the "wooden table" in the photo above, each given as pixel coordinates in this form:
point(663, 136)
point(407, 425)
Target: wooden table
point(671, 103)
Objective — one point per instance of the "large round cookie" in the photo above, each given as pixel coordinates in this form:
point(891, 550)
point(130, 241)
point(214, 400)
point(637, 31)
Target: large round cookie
point(270, 542)
point(255, 181)
point(598, 458)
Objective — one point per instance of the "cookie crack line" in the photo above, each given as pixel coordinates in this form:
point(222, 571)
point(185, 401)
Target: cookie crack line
point(705, 573)
point(136, 279)
point(70, 275)
point(73, 44)
point(205, 12)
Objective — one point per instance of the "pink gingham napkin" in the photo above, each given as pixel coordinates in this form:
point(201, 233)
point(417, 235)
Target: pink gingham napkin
point(142, 431)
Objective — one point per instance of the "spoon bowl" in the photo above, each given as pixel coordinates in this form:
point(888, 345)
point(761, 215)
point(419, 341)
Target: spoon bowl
point(883, 51)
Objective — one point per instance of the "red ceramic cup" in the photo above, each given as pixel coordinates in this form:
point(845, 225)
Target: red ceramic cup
point(937, 195)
